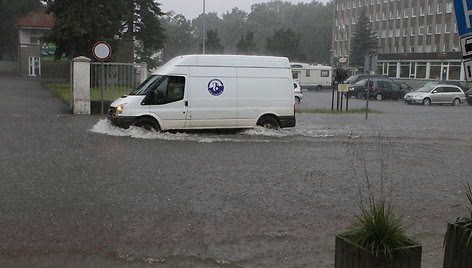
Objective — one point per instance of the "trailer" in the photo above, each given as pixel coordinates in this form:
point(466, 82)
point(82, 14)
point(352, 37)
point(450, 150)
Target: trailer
point(312, 77)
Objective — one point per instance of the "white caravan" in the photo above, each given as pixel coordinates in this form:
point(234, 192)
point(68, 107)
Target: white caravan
point(312, 76)
point(211, 91)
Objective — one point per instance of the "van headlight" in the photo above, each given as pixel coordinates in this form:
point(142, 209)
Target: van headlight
point(119, 109)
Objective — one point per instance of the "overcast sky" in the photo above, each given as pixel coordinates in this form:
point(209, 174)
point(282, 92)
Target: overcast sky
point(192, 8)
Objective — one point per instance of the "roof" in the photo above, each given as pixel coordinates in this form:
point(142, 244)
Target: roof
point(230, 61)
point(37, 18)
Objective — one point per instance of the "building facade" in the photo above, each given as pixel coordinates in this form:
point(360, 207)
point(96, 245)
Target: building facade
point(31, 29)
point(417, 39)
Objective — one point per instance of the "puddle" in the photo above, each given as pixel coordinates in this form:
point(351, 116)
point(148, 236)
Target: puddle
point(258, 134)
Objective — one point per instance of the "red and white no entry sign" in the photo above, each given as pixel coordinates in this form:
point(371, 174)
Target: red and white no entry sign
point(101, 50)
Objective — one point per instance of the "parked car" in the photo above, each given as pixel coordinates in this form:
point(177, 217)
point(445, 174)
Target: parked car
point(440, 94)
point(460, 84)
point(405, 86)
point(358, 77)
point(298, 92)
point(468, 96)
point(379, 88)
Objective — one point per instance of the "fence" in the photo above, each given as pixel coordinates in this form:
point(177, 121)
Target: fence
point(109, 81)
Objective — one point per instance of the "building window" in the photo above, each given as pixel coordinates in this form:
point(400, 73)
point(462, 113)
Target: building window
point(391, 15)
point(35, 39)
point(390, 33)
point(370, 17)
point(405, 31)
point(399, 14)
point(429, 29)
point(413, 31)
point(438, 8)
point(377, 17)
point(421, 11)
point(412, 49)
point(413, 12)
point(421, 70)
point(337, 7)
point(447, 28)
point(397, 32)
point(405, 13)
point(421, 30)
point(384, 15)
point(449, 7)
point(430, 10)
point(384, 33)
point(438, 28)
point(348, 4)
point(392, 69)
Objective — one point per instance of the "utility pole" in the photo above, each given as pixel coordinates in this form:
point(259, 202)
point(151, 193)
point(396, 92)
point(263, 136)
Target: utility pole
point(204, 30)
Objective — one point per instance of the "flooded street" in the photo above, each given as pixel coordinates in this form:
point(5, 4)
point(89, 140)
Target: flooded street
point(78, 192)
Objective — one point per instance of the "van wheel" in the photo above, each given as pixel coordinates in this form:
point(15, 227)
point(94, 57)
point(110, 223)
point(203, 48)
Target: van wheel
point(456, 102)
point(297, 100)
point(147, 123)
point(268, 121)
point(378, 97)
point(426, 102)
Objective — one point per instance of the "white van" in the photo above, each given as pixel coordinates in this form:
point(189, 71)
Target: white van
point(211, 91)
point(312, 76)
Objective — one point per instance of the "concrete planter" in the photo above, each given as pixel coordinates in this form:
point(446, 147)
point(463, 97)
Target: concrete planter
point(456, 252)
point(348, 255)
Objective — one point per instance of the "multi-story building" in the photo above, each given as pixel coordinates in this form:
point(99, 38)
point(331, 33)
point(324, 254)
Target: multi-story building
point(417, 39)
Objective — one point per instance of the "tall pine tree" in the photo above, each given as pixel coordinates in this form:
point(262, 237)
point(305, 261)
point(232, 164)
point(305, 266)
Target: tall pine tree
point(363, 42)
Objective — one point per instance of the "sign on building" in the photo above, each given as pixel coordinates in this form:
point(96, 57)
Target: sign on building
point(464, 26)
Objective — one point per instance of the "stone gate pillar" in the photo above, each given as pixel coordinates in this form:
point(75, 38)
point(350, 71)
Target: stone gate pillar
point(81, 85)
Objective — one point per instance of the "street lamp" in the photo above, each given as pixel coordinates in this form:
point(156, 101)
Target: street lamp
point(203, 34)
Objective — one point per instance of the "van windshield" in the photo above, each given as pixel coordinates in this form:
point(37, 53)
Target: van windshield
point(143, 88)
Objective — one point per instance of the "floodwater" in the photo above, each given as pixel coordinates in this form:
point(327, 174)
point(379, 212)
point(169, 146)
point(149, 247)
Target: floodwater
point(78, 192)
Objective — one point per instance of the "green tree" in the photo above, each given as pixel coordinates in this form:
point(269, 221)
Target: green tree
point(233, 25)
point(284, 42)
point(213, 43)
point(81, 23)
point(146, 29)
point(246, 44)
point(363, 42)
point(180, 38)
point(9, 12)
point(212, 21)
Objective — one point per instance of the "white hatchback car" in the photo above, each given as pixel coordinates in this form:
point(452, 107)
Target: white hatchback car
point(440, 94)
point(298, 92)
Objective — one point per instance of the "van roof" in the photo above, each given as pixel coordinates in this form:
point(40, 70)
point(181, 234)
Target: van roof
point(230, 61)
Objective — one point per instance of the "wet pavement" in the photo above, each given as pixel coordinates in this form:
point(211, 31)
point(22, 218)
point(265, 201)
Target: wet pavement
point(78, 192)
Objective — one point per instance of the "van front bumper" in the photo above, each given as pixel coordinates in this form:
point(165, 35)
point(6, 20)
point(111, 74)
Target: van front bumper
point(287, 121)
point(122, 121)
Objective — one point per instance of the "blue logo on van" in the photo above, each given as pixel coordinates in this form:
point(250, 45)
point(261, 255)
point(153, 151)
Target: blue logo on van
point(215, 87)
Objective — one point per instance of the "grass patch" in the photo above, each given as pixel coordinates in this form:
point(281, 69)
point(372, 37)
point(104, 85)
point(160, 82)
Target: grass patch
point(111, 93)
point(329, 111)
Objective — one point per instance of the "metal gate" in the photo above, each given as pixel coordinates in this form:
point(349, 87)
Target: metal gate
point(109, 81)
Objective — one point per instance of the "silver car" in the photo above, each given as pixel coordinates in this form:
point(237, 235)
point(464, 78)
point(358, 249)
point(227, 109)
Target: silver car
point(297, 92)
point(440, 94)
